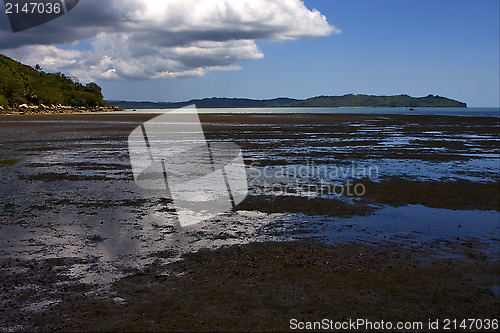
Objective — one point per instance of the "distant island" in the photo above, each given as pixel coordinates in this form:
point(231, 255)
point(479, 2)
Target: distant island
point(28, 90)
point(349, 100)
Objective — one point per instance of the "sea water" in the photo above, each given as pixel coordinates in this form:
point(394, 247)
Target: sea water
point(444, 111)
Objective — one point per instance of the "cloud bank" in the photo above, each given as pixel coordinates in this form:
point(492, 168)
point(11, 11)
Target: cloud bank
point(160, 39)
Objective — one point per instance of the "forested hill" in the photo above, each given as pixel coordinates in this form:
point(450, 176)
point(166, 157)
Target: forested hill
point(378, 101)
point(22, 84)
point(320, 101)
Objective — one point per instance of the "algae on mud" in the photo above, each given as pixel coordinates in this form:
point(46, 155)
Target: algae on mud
point(73, 221)
point(261, 286)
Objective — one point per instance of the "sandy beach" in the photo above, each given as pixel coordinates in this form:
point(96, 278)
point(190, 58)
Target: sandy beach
point(84, 248)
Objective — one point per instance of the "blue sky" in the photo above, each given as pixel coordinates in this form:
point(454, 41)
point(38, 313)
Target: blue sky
point(444, 47)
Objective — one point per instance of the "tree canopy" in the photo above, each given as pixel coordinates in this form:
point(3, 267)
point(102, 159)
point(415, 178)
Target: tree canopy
point(22, 84)
point(351, 100)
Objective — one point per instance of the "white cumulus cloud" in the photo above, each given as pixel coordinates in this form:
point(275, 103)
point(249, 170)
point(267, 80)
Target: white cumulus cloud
point(153, 39)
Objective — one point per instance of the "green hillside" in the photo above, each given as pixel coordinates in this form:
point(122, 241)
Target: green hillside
point(351, 100)
point(21, 84)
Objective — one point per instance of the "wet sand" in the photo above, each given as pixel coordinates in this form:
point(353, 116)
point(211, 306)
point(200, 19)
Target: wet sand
point(83, 248)
point(261, 286)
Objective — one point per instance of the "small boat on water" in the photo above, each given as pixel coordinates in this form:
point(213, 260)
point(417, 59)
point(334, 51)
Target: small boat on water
point(412, 109)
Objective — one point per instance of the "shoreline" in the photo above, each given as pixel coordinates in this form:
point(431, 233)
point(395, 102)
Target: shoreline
point(34, 110)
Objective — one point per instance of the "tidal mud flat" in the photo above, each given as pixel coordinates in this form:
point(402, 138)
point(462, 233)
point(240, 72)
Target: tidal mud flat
point(84, 248)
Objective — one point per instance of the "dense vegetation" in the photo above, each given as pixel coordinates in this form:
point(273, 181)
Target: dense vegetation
point(378, 101)
point(21, 84)
point(320, 101)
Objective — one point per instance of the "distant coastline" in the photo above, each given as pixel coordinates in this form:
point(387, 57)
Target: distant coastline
point(348, 100)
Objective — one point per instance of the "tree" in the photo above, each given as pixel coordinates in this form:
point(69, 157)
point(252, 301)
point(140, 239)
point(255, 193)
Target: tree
point(3, 102)
point(93, 88)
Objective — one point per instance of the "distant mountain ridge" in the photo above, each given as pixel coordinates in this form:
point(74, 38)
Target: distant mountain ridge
point(215, 102)
point(348, 100)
